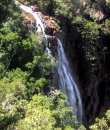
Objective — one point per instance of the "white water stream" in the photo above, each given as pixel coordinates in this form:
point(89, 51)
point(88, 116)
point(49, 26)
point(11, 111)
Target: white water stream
point(66, 81)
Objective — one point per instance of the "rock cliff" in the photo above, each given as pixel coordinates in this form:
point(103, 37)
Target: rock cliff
point(88, 47)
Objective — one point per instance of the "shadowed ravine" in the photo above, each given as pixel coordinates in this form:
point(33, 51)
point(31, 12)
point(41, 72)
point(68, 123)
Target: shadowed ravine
point(66, 81)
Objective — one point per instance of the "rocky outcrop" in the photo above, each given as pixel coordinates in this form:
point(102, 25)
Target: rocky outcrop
point(52, 44)
point(50, 23)
point(28, 20)
point(51, 28)
point(96, 15)
point(95, 10)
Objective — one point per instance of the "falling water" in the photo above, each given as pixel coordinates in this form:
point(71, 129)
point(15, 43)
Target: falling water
point(66, 81)
point(67, 84)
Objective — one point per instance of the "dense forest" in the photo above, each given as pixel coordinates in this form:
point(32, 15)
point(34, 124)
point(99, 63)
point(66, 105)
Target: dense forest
point(29, 98)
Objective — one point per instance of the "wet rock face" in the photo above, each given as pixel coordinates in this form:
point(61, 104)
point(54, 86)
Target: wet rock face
point(51, 28)
point(50, 23)
point(52, 44)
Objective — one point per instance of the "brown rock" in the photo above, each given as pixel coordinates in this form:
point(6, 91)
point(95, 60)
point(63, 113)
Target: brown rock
point(98, 15)
point(34, 8)
point(50, 23)
point(52, 44)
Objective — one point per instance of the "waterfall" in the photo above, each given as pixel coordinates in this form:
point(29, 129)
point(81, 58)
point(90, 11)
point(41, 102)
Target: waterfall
point(67, 84)
point(66, 81)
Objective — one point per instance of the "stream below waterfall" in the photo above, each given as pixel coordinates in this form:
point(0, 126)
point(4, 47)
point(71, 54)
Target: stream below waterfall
point(66, 80)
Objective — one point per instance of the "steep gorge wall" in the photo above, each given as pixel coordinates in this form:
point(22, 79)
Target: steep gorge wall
point(93, 72)
point(88, 48)
point(86, 36)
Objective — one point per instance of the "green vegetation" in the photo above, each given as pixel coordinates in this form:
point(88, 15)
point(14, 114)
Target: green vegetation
point(102, 124)
point(28, 99)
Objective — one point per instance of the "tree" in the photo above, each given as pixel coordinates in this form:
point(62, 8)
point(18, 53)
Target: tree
point(103, 123)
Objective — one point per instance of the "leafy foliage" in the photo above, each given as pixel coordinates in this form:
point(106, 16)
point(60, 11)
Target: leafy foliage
point(103, 123)
point(27, 101)
point(27, 98)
